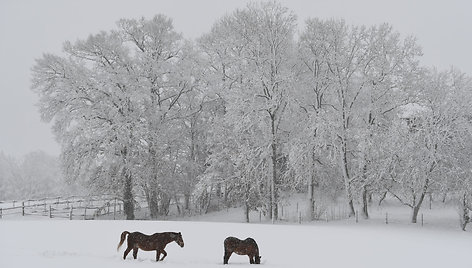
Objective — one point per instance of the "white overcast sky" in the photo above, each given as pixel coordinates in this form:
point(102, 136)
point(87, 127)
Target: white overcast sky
point(29, 28)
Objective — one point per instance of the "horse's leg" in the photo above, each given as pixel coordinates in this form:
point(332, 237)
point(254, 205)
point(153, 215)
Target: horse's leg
point(135, 253)
point(165, 254)
point(158, 253)
point(251, 259)
point(128, 249)
point(226, 257)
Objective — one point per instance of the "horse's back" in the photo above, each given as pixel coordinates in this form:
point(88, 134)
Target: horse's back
point(136, 235)
point(242, 247)
point(232, 242)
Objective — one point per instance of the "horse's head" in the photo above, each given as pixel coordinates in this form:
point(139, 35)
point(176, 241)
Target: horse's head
point(257, 259)
point(179, 240)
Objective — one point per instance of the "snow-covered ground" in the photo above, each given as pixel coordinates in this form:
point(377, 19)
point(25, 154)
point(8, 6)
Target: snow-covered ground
point(69, 244)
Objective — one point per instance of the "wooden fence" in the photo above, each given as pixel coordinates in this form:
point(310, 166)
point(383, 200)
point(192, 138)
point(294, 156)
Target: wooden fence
point(74, 207)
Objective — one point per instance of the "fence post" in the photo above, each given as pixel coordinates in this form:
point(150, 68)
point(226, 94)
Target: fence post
point(386, 218)
point(85, 213)
point(300, 217)
point(357, 216)
point(114, 210)
point(430, 200)
point(70, 213)
point(0, 213)
point(23, 208)
point(50, 211)
point(422, 220)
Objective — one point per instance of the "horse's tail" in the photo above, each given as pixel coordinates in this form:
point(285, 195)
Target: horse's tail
point(123, 237)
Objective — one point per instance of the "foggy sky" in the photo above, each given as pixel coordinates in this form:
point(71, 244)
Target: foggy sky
point(29, 28)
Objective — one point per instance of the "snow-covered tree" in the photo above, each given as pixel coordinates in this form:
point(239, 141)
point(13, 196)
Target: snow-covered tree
point(255, 45)
point(352, 75)
point(426, 143)
point(165, 71)
point(109, 97)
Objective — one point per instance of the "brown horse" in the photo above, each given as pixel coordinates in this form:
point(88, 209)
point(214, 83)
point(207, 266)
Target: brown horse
point(242, 247)
point(157, 242)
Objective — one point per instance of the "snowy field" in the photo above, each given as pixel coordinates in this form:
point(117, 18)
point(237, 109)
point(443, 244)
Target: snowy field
point(70, 244)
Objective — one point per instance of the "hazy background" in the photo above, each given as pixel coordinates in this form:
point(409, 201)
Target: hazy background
point(30, 28)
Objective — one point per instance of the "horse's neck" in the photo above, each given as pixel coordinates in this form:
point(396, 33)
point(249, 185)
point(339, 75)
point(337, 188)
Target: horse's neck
point(168, 238)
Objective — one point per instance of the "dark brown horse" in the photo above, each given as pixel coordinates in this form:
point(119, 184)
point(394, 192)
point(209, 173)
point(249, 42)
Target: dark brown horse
point(157, 242)
point(242, 247)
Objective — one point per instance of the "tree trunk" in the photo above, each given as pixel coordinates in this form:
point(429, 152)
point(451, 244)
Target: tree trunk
point(208, 201)
point(218, 190)
point(311, 198)
point(273, 186)
point(152, 199)
point(344, 153)
point(128, 200)
point(225, 194)
point(465, 219)
point(165, 204)
point(191, 169)
point(382, 198)
point(352, 211)
point(187, 201)
point(247, 198)
point(365, 201)
point(416, 208)
point(177, 204)
point(444, 197)
point(153, 203)
point(414, 217)
point(246, 211)
point(153, 195)
point(347, 179)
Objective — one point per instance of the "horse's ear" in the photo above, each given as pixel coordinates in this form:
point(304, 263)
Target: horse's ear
point(180, 233)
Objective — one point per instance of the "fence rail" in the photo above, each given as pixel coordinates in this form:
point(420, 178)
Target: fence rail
point(72, 207)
